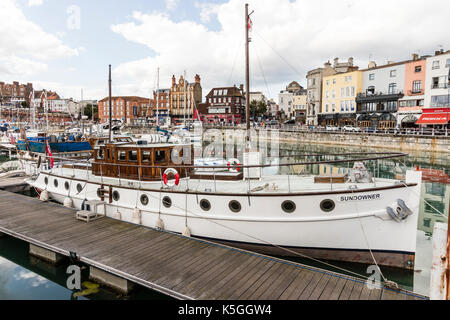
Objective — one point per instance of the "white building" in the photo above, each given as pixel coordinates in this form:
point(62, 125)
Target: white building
point(436, 81)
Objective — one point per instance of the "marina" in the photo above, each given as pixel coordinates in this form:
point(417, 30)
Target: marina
point(334, 187)
point(194, 269)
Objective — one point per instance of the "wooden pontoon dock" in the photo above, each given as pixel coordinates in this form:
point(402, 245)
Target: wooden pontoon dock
point(178, 266)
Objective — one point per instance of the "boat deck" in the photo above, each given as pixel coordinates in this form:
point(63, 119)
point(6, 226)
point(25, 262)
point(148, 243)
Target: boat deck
point(264, 185)
point(181, 267)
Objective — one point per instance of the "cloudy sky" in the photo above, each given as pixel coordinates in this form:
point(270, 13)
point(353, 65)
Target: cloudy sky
point(66, 45)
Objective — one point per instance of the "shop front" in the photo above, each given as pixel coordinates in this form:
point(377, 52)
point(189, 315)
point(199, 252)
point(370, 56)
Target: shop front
point(434, 117)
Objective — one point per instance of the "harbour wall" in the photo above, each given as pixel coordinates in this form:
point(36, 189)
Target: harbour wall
point(417, 143)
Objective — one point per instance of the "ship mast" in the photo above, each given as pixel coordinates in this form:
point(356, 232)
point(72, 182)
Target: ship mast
point(157, 100)
point(247, 72)
point(110, 105)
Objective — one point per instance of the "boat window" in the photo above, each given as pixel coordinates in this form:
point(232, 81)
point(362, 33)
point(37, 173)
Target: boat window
point(144, 199)
point(205, 204)
point(146, 156)
point(116, 195)
point(234, 206)
point(55, 182)
point(160, 156)
point(79, 187)
point(122, 156)
point(288, 206)
point(132, 155)
point(66, 185)
point(167, 202)
point(327, 205)
point(100, 154)
point(46, 180)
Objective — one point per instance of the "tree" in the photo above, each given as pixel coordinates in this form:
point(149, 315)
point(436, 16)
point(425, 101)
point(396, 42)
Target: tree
point(257, 108)
point(90, 111)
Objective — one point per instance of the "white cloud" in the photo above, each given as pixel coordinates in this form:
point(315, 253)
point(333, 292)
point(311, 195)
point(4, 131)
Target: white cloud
point(24, 46)
point(289, 38)
point(172, 4)
point(35, 2)
point(207, 10)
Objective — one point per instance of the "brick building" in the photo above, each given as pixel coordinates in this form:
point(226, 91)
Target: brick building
point(129, 109)
point(15, 92)
point(184, 98)
point(224, 105)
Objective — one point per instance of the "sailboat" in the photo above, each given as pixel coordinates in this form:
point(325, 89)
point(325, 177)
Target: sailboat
point(355, 217)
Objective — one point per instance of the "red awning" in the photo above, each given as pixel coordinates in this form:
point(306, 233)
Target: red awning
point(433, 118)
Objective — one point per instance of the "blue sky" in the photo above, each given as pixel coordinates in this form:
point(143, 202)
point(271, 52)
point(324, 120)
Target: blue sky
point(205, 37)
point(101, 45)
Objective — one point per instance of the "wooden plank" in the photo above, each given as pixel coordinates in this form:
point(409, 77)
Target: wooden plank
point(336, 292)
point(346, 292)
point(317, 292)
point(281, 283)
point(297, 286)
point(356, 292)
point(235, 291)
point(249, 293)
point(304, 295)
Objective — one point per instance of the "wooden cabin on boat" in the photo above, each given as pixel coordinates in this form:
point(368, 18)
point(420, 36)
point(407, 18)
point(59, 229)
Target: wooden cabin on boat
point(145, 162)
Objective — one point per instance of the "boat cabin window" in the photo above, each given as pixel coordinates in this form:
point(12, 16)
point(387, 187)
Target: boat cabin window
point(100, 154)
point(146, 156)
point(160, 156)
point(121, 156)
point(132, 155)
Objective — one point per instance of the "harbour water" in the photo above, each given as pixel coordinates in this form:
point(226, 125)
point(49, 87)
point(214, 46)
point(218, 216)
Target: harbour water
point(24, 277)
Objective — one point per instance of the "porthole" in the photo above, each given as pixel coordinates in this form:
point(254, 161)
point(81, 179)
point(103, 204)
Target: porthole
point(79, 187)
point(167, 202)
point(234, 206)
point(46, 180)
point(288, 206)
point(55, 183)
point(205, 205)
point(100, 193)
point(144, 199)
point(66, 185)
point(327, 205)
point(116, 195)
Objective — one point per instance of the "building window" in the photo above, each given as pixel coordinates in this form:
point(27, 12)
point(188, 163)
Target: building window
point(353, 91)
point(392, 88)
point(417, 86)
point(328, 82)
point(333, 94)
point(333, 107)
point(347, 91)
point(326, 107)
point(334, 81)
point(418, 69)
point(393, 73)
point(439, 101)
point(342, 92)
point(372, 76)
point(435, 65)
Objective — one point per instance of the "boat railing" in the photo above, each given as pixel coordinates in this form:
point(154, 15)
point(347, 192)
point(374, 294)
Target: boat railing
point(330, 167)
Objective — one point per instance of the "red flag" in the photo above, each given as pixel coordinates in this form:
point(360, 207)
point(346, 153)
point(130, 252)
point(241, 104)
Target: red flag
point(250, 24)
point(49, 152)
point(13, 141)
point(196, 115)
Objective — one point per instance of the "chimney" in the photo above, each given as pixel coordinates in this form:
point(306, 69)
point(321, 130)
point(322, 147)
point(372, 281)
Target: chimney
point(327, 64)
point(390, 62)
point(350, 61)
point(436, 53)
point(372, 64)
point(336, 61)
point(197, 78)
point(415, 56)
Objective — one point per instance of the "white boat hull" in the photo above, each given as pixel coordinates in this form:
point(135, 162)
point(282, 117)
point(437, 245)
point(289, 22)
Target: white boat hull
point(359, 221)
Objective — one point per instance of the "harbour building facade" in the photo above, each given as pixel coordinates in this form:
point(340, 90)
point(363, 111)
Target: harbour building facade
point(338, 98)
point(382, 87)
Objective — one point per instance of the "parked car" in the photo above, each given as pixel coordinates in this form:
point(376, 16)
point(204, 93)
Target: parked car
point(349, 128)
point(331, 128)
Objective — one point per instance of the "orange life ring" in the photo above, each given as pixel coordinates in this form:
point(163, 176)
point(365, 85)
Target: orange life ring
point(171, 183)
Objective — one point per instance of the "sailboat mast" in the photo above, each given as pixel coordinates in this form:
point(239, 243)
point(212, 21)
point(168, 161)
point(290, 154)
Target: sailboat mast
point(110, 105)
point(184, 93)
point(157, 100)
point(247, 73)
